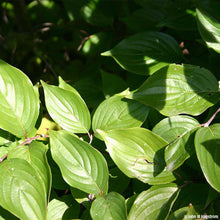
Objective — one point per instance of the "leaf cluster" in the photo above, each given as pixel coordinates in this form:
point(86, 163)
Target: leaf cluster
point(122, 120)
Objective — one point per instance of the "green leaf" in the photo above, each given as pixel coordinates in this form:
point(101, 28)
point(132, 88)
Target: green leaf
point(80, 197)
point(146, 52)
point(112, 206)
point(208, 21)
point(35, 154)
point(191, 193)
point(63, 208)
point(66, 86)
point(22, 191)
point(56, 209)
point(179, 214)
point(185, 213)
point(207, 141)
point(115, 177)
point(119, 112)
point(177, 130)
point(145, 18)
point(138, 153)
point(155, 203)
point(19, 106)
point(81, 165)
point(180, 15)
point(5, 215)
point(67, 109)
point(179, 89)
point(112, 84)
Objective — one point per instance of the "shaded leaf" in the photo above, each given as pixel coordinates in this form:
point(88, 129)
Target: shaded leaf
point(180, 15)
point(22, 191)
point(179, 214)
point(155, 203)
point(179, 89)
point(81, 165)
point(138, 153)
point(207, 141)
point(112, 84)
point(67, 109)
point(177, 130)
point(146, 52)
point(112, 206)
point(19, 106)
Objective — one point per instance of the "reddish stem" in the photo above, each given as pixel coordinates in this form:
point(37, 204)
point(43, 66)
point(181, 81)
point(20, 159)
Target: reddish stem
point(27, 141)
point(211, 119)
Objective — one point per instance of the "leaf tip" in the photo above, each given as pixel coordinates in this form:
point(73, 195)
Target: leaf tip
point(107, 53)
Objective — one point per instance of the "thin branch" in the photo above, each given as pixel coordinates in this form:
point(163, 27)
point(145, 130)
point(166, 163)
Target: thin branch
point(27, 141)
point(211, 119)
point(90, 138)
point(83, 41)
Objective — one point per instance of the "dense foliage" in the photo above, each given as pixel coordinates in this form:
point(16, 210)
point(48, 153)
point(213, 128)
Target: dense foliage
point(115, 112)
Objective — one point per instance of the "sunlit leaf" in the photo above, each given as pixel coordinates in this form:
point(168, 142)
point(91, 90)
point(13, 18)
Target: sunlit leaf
point(66, 86)
point(67, 109)
point(81, 165)
point(177, 130)
point(19, 106)
point(146, 52)
point(155, 203)
point(112, 206)
point(118, 112)
point(207, 142)
point(35, 154)
point(179, 89)
point(63, 208)
point(22, 191)
point(138, 153)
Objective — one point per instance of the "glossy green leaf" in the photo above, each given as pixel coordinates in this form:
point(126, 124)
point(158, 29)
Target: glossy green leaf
point(207, 141)
point(138, 153)
point(119, 112)
point(67, 109)
point(81, 165)
point(35, 154)
point(112, 206)
point(177, 130)
point(22, 191)
point(7, 147)
point(6, 215)
point(63, 208)
point(66, 86)
point(155, 203)
point(56, 209)
point(146, 52)
point(19, 106)
point(208, 21)
point(179, 89)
